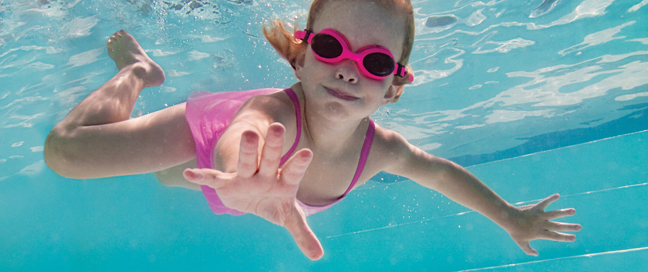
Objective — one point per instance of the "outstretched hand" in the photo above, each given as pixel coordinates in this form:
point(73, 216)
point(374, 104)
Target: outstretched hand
point(260, 187)
point(532, 222)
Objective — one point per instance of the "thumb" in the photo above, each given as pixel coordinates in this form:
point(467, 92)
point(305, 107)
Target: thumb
point(304, 236)
point(209, 177)
point(527, 248)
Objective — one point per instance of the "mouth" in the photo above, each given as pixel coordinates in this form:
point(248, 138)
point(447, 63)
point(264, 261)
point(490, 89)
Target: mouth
point(341, 95)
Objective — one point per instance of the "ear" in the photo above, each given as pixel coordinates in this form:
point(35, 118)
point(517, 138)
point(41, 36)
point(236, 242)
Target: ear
point(390, 94)
point(297, 71)
point(298, 66)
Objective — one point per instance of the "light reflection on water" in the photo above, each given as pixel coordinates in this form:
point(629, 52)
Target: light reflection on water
point(496, 72)
point(558, 69)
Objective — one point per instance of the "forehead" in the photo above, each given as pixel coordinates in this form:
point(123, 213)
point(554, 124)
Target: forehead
point(363, 23)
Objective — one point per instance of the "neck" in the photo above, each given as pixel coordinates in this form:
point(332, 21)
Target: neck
point(334, 136)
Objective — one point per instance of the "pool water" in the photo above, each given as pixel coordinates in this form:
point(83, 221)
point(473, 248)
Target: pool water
point(533, 97)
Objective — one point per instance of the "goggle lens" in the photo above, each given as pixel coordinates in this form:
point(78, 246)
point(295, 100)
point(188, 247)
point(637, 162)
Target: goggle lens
point(326, 46)
point(374, 61)
point(378, 64)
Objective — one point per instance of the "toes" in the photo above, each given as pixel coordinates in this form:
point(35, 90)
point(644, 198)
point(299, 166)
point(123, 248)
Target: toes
point(111, 44)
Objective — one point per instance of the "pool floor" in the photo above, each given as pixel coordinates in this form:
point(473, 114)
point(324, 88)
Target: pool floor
point(134, 223)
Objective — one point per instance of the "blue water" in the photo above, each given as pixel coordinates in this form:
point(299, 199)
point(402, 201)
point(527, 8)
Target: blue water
point(534, 97)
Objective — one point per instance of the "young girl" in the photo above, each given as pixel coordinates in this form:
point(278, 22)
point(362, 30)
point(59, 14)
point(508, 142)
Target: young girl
point(283, 154)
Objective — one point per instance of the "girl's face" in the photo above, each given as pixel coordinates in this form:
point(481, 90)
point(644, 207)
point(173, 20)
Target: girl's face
point(340, 91)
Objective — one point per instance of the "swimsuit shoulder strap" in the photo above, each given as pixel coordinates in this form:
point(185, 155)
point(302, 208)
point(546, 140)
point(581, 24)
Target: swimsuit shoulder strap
point(364, 154)
point(366, 146)
point(295, 100)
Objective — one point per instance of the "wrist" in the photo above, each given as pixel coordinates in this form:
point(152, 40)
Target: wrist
point(507, 216)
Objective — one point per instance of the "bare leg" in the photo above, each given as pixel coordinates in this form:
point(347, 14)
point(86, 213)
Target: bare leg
point(114, 101)
point(97, 138)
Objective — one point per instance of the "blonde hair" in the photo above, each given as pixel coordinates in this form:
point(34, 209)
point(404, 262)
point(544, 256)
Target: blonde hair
point(293, 50)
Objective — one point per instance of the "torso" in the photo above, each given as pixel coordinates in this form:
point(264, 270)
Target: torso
point(328, 175)
point(327, 178)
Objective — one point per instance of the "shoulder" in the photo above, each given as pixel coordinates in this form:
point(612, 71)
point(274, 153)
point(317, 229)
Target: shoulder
point(390, 148)
point(395, 154)
point(269, 102)
point(276, 107)
point(388, 140)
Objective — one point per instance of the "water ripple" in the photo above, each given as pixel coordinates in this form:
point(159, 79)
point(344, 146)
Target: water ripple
point(544, 8)
point(197, 55)
point(12, 119)
point(86, 57)
point(587, 8)
point(638, 6)
point(505, 46)
point(597, 38)
point(78, 27)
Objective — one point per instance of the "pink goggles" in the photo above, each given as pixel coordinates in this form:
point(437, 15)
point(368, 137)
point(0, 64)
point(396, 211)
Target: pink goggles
point(330, 46)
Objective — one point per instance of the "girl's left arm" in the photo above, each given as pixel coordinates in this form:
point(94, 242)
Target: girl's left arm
point(522, 223)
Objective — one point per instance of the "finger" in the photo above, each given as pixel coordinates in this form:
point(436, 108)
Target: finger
point(544, 203)
point(304, 236)
point(558, 226)
point(557, 236)
point(527, 248)
point(559, 213)
point(271, 154)
point(294, 170)
point(209, 177)
point(248, 154)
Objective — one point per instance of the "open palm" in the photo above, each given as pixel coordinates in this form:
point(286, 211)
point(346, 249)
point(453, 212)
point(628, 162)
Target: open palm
point(531, 222)
point(260, 187)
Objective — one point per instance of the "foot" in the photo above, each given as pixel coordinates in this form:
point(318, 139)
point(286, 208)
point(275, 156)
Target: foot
point(128, 54)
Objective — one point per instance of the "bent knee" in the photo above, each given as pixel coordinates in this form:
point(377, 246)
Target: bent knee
point(58, 154)
point(51, 152)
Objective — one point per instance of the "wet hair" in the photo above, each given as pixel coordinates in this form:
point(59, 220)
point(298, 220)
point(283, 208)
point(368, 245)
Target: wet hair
point(293, 50)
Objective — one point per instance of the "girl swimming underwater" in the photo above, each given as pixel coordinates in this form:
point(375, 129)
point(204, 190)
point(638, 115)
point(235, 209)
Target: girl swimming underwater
point(283, 154)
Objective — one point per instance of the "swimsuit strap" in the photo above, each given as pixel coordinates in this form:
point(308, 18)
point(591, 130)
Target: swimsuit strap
point(295, 101)
point(364, 154)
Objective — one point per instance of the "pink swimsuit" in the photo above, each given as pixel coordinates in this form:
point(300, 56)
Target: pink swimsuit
point(209, 114)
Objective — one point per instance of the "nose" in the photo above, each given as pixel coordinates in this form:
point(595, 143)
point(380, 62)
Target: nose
point(347, 71)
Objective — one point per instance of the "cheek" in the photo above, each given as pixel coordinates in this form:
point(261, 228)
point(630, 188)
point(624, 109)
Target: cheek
point(382, 84)
point(381, 88)
point(312, 66)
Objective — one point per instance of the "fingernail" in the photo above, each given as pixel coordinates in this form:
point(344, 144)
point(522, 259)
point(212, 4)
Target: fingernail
point(193, 175)
point(276, 130)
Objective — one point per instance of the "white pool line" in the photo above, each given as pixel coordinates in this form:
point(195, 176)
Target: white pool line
point(557, 259)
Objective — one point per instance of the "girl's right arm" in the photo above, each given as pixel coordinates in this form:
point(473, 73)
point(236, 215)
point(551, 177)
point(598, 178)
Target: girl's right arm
point(247, 176)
